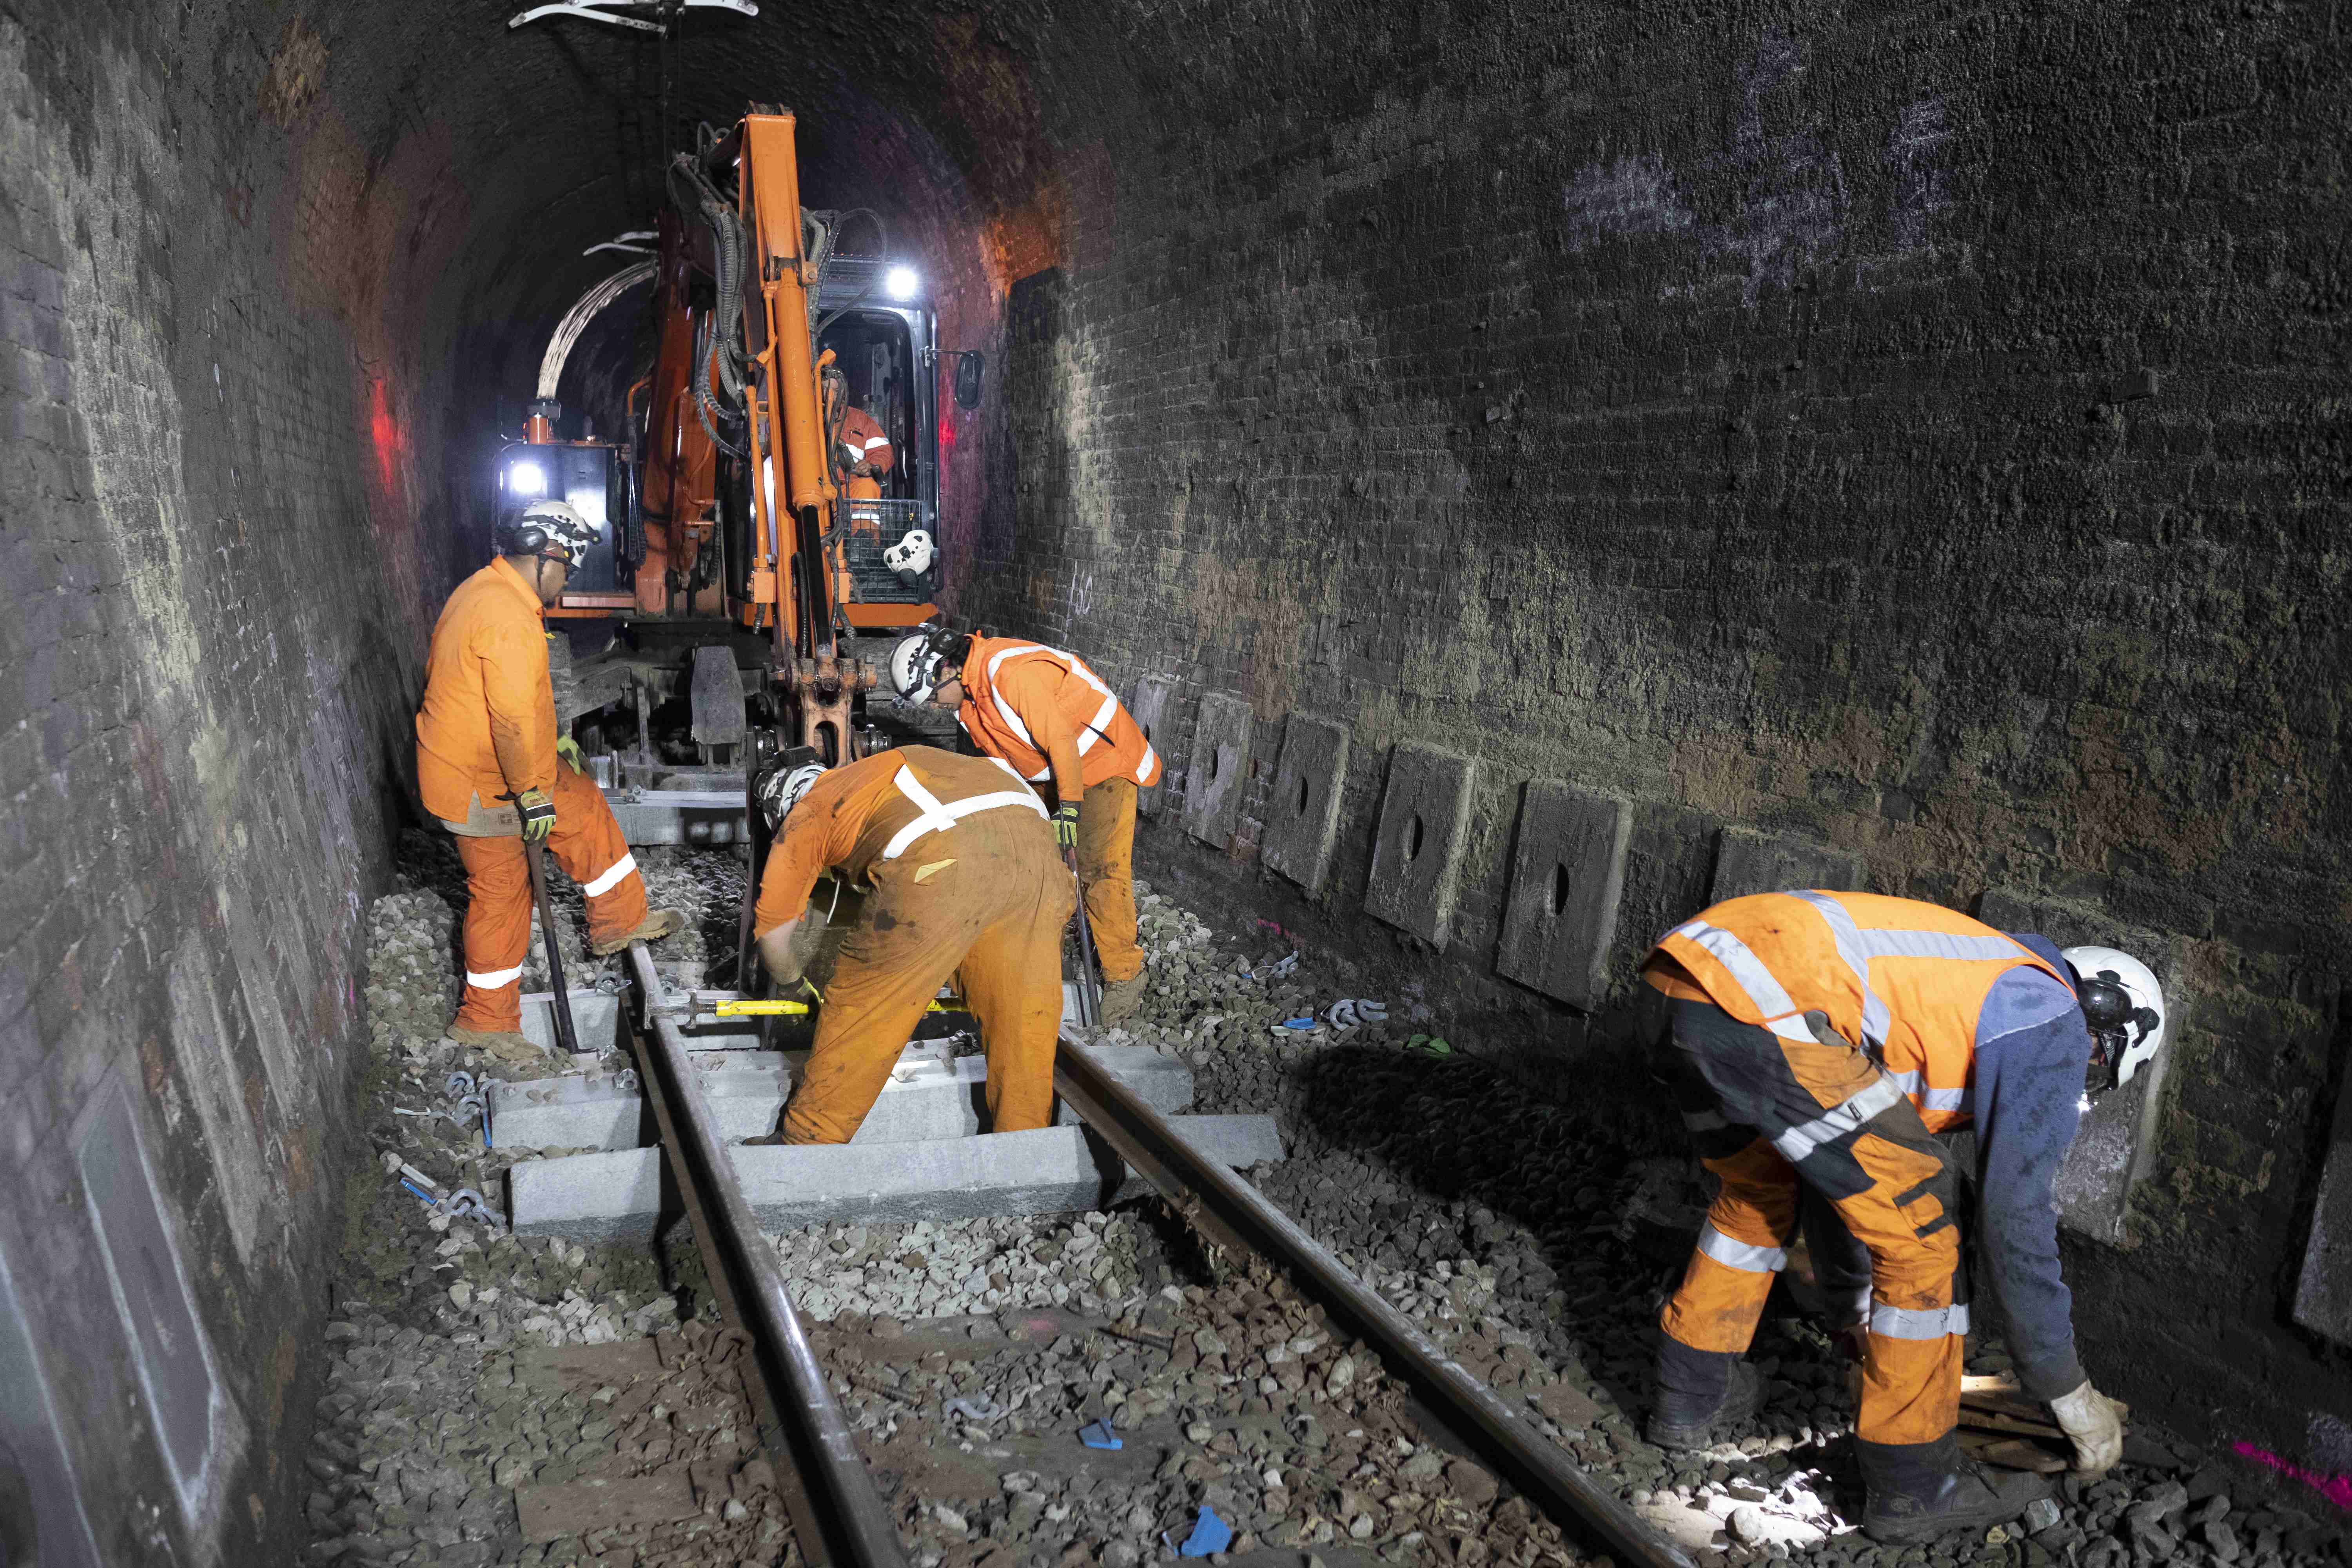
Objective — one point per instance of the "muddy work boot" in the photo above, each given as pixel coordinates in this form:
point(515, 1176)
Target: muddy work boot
point(508, 1046)
point(657, 924)
point(1918, 1491)
point(1702, 1394)
point(1120, 998)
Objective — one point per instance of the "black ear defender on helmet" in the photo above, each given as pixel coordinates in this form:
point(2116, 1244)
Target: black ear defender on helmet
point(2123, 1004)
point(782, 779)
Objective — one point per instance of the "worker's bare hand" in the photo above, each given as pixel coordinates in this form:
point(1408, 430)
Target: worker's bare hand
point(863, 471)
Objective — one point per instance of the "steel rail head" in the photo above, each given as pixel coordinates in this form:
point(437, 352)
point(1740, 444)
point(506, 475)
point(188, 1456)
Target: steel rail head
point(1231, 1211)
point(855, 1520)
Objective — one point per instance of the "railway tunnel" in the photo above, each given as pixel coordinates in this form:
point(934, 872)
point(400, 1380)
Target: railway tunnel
point(1534, 473)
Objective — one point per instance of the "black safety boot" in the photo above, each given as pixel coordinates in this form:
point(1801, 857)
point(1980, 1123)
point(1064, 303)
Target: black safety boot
point(1921, 1490)
point(1700, 1393)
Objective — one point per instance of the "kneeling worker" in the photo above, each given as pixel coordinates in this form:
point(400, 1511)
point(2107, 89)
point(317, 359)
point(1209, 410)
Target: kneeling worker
point(1046, 714)
point(487, 765)
point(1817, 1038)
point(964, 877)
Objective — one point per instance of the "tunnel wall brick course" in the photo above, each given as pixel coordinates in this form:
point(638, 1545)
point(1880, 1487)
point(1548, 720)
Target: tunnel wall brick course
point(208, 648)
point(1920, 452)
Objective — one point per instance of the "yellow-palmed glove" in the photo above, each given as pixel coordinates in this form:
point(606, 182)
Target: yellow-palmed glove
point(1065, 825)
point(538, 815)
point(569, 750)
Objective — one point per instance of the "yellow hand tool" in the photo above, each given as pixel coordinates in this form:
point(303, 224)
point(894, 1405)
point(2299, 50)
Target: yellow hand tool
point(748, 1009)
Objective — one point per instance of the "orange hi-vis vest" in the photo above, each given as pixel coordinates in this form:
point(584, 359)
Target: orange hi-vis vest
point(1110, 744)
point(1904, 980)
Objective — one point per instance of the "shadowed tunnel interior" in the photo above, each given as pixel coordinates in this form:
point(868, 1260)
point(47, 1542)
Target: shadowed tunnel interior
point(1899, 449)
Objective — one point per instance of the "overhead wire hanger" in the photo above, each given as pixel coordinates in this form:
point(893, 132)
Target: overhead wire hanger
point(610, 11)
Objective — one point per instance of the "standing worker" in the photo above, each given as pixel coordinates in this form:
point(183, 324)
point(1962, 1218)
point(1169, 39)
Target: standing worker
point(1817, 1038)
point(487, 765)
point(1046, 714)
point(963, 877)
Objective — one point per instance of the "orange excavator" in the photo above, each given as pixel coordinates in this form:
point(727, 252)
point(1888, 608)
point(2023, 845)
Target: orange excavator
point(739, 540)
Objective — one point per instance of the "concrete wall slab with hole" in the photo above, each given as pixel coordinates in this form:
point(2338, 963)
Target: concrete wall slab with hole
point(1568, 873)
point(1150, 711)
point(1417, 851)
point(2322, 1296)
point(1747, 861)
point(1215, 782)
point(1302, 814)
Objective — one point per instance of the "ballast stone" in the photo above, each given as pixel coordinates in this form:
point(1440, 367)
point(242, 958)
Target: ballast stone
point(927, 1096)
point(618, 1197)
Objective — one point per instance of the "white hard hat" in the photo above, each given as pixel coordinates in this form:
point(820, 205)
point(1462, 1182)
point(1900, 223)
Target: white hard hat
point(2123, 1006)
point(915, 666)
point(912, 554)
point(780, 788)
point(551, 528)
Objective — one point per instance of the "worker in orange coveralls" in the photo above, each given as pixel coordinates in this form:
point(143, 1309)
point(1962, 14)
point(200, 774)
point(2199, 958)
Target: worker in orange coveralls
point(1046, 714)
point(964, 878)
point(864, 455)
point(487, 766)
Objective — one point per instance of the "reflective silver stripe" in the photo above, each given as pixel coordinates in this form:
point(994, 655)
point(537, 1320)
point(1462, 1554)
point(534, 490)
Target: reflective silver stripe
point(1853, 948)
point(1937, 945)
point(1857, 1305)
point(495, 979)
point(1797, 1143)
point(1764, 991)
point(611, 877)
point(1910, 1082)
point(1741, 1255)
point(1918, 1322)
point(935, 817)
point(1704, 1120)
point(1072, 664)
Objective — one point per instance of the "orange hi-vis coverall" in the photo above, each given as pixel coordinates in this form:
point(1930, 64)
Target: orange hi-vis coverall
point(965, 876)
point(1050, 717)
point(486, 730)
point(1841, 1102)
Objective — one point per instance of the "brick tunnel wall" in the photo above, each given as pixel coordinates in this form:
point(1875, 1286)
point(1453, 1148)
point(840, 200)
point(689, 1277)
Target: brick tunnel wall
point(1921, 436)
point(216, 486)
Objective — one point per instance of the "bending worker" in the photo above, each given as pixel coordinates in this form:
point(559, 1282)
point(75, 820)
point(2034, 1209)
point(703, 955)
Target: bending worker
point(1043, 712)
point(1817, 1040)
point(487, 765)
point(964, 878)
point(864, 454)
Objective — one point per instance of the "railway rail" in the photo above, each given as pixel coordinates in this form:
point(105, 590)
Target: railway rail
point(840, 1513)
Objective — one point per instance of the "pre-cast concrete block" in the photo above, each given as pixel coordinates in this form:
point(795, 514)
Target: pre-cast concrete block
point(1567, 874)
point(928, 1095)
point(2323, 1298)
point(2115, 1146)
point(1150, 711)
point(1302, 816)
point(1747, 861)
point(1051, 1169)
point(1213, 784)
point(1417, 857)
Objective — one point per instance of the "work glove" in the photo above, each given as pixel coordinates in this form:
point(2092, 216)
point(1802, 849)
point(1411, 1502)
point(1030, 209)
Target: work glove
point(538, 815)
point(569, 750)
point(2095, 1424)
point(1065, 825)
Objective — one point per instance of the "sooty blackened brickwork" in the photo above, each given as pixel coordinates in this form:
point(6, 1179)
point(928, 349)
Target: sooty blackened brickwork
point(210, 644)
point(1917, 431)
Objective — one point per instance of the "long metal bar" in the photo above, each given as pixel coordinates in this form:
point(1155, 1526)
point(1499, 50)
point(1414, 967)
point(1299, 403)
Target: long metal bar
point(534, 853)
point(1089, 983)
point(851, 1515)
point(1230, 1210)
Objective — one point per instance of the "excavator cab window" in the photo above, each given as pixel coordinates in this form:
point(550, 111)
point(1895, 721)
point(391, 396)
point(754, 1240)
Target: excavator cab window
point(876, 355)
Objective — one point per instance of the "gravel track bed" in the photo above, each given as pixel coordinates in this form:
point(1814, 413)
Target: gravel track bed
point(1530, 1236)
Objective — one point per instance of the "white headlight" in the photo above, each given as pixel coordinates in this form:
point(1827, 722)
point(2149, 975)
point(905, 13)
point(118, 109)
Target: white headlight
point(526, 479)
point(901, 282)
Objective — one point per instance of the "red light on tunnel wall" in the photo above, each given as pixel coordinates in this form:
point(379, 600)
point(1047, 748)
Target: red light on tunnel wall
point(384, 434)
